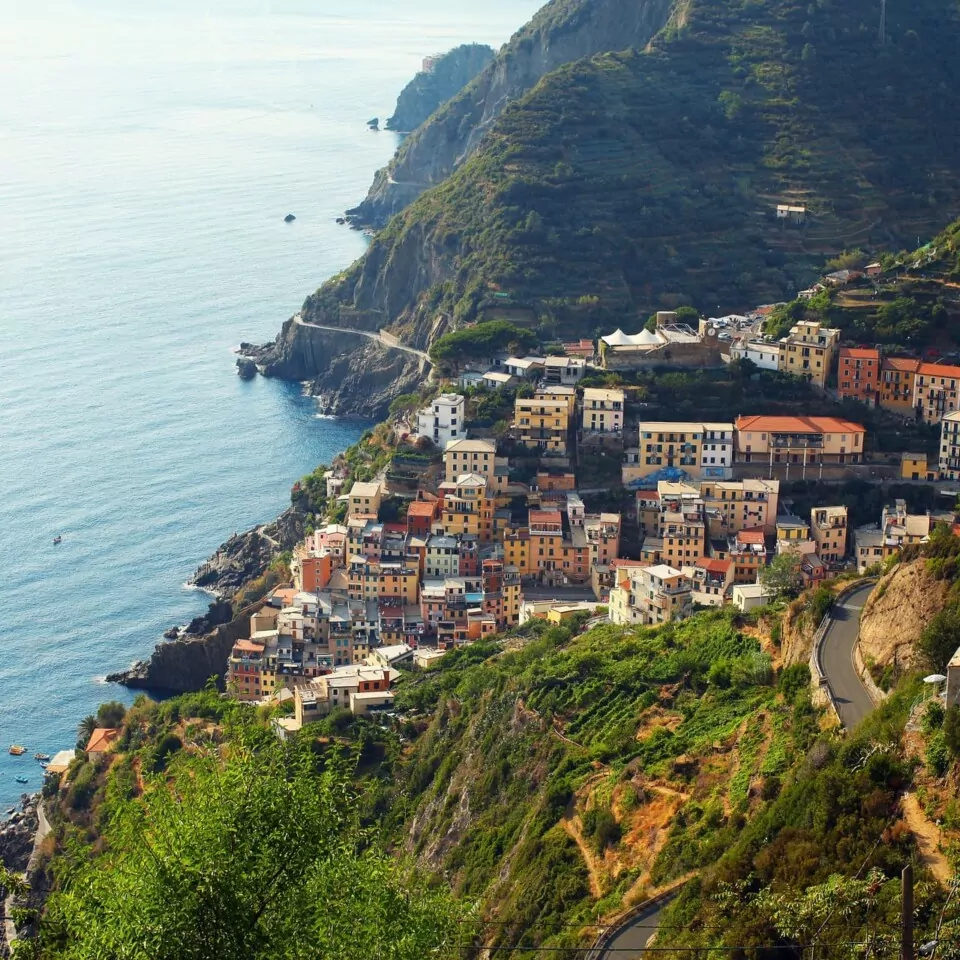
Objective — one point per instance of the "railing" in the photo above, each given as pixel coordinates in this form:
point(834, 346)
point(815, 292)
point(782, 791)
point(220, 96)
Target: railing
point(624, 920)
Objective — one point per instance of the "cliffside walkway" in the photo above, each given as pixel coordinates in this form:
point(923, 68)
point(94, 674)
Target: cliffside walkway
point(388, 341)
point(836, 658)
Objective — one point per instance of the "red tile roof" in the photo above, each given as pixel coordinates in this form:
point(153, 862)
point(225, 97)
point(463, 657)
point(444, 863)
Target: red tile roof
point(753, 535)
point(248, 646)
point(764, 424)
point(713, 566)
point(420, 509)
point(939, 370)
point(101, 739)
point(860, 353)
point(901, 363)
point(544, 516)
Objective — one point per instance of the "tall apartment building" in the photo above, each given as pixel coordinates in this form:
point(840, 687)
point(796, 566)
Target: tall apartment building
point(602, 410)
point(683, 524)
point(743, 504)
point(443, 420)
point(700, 449)
point(858, 374)
point(808, 351)
point(543, 423)
point(897, 376)
point(479, 457)
point(936, 391)
point(828, 527)
point(950, 446)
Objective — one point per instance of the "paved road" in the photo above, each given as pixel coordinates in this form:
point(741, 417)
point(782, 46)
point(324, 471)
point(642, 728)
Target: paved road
point(628, 944)
point(852, 699)
point(369, 334)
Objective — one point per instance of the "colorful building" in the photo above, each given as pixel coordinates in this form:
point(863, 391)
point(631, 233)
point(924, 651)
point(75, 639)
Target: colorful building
point(858, 374)
point(936, 391)
point(800, 440)
point(897, 376)
point(808, 351)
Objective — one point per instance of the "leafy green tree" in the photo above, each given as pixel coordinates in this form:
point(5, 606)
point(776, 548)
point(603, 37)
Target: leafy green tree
point(85, 730)
point(111, 714)
point(941, 637)
point(782, 575)
point(951, 731)
point(256, 856)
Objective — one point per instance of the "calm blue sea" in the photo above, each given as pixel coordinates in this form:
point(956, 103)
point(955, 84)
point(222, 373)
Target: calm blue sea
point(146, 164)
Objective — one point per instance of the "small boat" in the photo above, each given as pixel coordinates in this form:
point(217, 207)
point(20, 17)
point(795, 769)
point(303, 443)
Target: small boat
point(21, 779)
point(17, 751)
point(58, 539)
point(42, 757)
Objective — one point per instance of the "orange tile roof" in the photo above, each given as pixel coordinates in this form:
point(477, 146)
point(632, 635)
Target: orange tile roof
point(544, 516)
point(648, 494)
point(420, 509)
point(909, 364)
point(753, 535)
point(248, 646)
point(860, 353)
point(101, 739)
point(623, 562)
point(798, 425)
point(713, 566)
point(939, 370)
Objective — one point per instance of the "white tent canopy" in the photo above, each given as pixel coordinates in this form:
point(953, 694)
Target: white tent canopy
point(642, 339)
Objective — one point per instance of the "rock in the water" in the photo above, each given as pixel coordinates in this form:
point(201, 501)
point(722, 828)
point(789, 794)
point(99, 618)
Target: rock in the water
point(341, 220)
point(246, 368)
point(289, 218)
point(374, 124)
point(171, 634)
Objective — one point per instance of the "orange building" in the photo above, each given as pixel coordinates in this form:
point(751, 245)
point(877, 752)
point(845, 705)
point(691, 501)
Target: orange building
point(858, 374)
point(316, 571)
point(897, 375)
point(244, 670)
point(806, 440)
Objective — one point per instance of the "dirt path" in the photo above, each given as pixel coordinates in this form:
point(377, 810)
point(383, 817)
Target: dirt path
point(589, 857)
point(928, 838)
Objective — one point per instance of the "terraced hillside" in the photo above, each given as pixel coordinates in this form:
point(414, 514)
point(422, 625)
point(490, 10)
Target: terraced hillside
point(647, 178)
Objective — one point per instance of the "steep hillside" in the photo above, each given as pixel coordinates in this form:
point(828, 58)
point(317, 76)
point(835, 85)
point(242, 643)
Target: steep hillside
point(447, 76)
point(563, 31)
point(644, 179)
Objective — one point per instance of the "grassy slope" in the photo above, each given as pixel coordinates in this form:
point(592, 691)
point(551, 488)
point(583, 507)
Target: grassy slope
point(640, 177)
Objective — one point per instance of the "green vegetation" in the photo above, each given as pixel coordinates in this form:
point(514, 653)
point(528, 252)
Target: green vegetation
point(649, 178)
point(481, 340)
point(256, 850)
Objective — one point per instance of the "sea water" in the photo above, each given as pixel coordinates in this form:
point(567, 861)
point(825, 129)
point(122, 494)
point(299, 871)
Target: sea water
point(147, 162)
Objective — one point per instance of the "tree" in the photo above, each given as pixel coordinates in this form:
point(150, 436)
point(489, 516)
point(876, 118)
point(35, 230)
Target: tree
point(85, 730)
point(951, 731)
point(782, 575)
point(111, 714)
point(259, 856)
point(941, 638)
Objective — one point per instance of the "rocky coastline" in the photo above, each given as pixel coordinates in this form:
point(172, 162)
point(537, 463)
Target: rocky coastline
point(191, 655)
point(18, 836)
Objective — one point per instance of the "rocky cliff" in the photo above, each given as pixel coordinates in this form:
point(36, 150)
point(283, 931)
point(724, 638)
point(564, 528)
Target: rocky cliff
point(195, 653)
point(897, 613)
point(563, 31)
point(447, 76)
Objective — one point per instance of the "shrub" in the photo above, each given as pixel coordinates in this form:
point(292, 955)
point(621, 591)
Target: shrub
point(937, 756)
point(932, 717)
point(951, 730)
point(165, 749)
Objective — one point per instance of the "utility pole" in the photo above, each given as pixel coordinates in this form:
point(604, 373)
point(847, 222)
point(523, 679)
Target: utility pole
point(883, 27)
point(906, 914)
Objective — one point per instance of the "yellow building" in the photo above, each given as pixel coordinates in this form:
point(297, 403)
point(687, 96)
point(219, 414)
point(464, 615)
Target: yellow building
point(556, 392)
point(543, 423)
point(466, 508)
point(915, 466)
point(669, 444)
point(808, 351)
point(479, 457)
point(936, 391)
point(743, 504)
point(801, 440)
point(828, 525)
point(897, 381)
point(365, 499)
point(650, 595)
point(516, 550)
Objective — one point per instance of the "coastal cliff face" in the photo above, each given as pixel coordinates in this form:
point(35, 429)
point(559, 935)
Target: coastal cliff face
point(563, 31)
point(199, 651)
point(448, 75)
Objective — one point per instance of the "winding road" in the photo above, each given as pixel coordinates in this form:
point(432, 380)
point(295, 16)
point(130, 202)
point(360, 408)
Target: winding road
point(853, 704)
point(836, 658)
point(369, 334)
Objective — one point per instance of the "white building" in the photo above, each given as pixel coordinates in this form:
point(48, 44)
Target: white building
point(564, 371)
point(524, 368)
point(716, 451)
point(950, 446)
point(650, 595)
point(764, 353)
point(442, 421)
point(602, 410)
